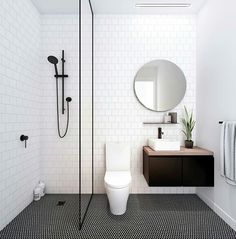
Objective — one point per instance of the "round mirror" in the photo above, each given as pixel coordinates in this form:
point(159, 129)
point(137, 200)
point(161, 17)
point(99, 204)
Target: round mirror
point(160, 85)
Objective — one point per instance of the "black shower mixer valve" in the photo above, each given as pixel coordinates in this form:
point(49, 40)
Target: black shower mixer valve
point(24, 138)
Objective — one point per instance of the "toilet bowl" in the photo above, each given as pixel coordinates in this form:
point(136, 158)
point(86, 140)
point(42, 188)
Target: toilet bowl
point(117, 179)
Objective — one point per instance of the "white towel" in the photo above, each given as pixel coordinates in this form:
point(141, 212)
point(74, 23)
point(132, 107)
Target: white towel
point(228, 152)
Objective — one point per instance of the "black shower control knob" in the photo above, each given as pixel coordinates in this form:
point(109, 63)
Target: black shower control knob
point(24, 137)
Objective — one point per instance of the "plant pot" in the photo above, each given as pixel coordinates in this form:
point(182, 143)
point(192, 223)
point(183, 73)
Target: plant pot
point(188, 144)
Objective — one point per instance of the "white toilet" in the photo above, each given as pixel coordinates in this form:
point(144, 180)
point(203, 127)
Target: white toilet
point(118, 177)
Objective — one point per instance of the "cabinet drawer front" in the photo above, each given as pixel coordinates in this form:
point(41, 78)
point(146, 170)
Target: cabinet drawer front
point(198, 171)
point(165, 171)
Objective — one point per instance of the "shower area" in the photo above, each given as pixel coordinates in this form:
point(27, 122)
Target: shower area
point(46, 95)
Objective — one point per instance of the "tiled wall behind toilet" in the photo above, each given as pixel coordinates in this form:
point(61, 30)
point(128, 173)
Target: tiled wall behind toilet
point(123, 43)
point(20, 95)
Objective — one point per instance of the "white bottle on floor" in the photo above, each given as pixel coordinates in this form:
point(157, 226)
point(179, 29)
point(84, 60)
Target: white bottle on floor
point(37, 192)
point(42, 187)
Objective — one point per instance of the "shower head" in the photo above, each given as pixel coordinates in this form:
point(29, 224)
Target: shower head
point(53, 60)
point(68, 99)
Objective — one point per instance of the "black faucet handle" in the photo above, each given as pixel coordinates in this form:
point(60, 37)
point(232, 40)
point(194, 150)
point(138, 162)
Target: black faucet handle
point(160, 133)
point(24, 138)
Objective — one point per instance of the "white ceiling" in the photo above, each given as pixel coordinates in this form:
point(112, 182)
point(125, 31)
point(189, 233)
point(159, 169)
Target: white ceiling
point(116, 6)
point(56, 6)
point(128, 7)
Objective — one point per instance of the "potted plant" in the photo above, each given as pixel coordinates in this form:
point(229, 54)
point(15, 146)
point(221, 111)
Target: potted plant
point(189, 124)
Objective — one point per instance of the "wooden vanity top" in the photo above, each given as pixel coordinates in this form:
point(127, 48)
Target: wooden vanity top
point(197, 151)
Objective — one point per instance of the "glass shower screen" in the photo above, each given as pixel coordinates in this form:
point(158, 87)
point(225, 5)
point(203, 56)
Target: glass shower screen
point(85, 108)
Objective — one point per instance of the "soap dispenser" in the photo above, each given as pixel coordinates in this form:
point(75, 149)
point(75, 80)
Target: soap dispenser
point(167, 119)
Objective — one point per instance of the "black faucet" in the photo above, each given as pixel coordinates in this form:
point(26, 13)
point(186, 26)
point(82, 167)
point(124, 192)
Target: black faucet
point(160, 133)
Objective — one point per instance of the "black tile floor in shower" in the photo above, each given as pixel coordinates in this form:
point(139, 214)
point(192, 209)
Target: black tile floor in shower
point(147, 216)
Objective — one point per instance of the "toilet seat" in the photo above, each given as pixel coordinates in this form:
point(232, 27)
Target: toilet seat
point(117, 179)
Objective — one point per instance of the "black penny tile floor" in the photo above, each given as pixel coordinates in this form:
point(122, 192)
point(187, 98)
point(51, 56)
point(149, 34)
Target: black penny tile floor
point(148, 216)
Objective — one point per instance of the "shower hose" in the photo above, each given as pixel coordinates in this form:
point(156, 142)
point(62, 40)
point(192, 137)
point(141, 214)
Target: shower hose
point(68, 115)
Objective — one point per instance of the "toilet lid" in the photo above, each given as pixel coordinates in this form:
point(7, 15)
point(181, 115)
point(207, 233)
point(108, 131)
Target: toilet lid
point(117, 179)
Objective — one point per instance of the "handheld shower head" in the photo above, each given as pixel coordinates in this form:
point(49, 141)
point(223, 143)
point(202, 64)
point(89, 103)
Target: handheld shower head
point(68, 99)
point(53, 60)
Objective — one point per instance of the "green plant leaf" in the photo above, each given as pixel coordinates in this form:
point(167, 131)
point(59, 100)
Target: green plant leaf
point(184, 133)
point(188, 123)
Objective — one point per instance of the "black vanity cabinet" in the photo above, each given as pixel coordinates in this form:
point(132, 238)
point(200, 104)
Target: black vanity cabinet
point(198, 171)
point(187, 167)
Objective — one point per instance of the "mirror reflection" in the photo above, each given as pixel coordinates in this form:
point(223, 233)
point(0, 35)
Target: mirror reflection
point(160, 85)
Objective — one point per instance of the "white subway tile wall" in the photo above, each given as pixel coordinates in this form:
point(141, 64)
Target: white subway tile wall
point(59, 157)
point(28, 96)
point(86, 98)
point(20, 106)
point(123, 43)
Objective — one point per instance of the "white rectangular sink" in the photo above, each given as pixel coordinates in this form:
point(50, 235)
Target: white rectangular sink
point(164, 144)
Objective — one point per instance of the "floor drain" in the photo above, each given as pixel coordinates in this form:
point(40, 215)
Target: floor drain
point(61, 203)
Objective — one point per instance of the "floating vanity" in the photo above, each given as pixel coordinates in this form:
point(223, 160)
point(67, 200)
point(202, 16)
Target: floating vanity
point(184, 167)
